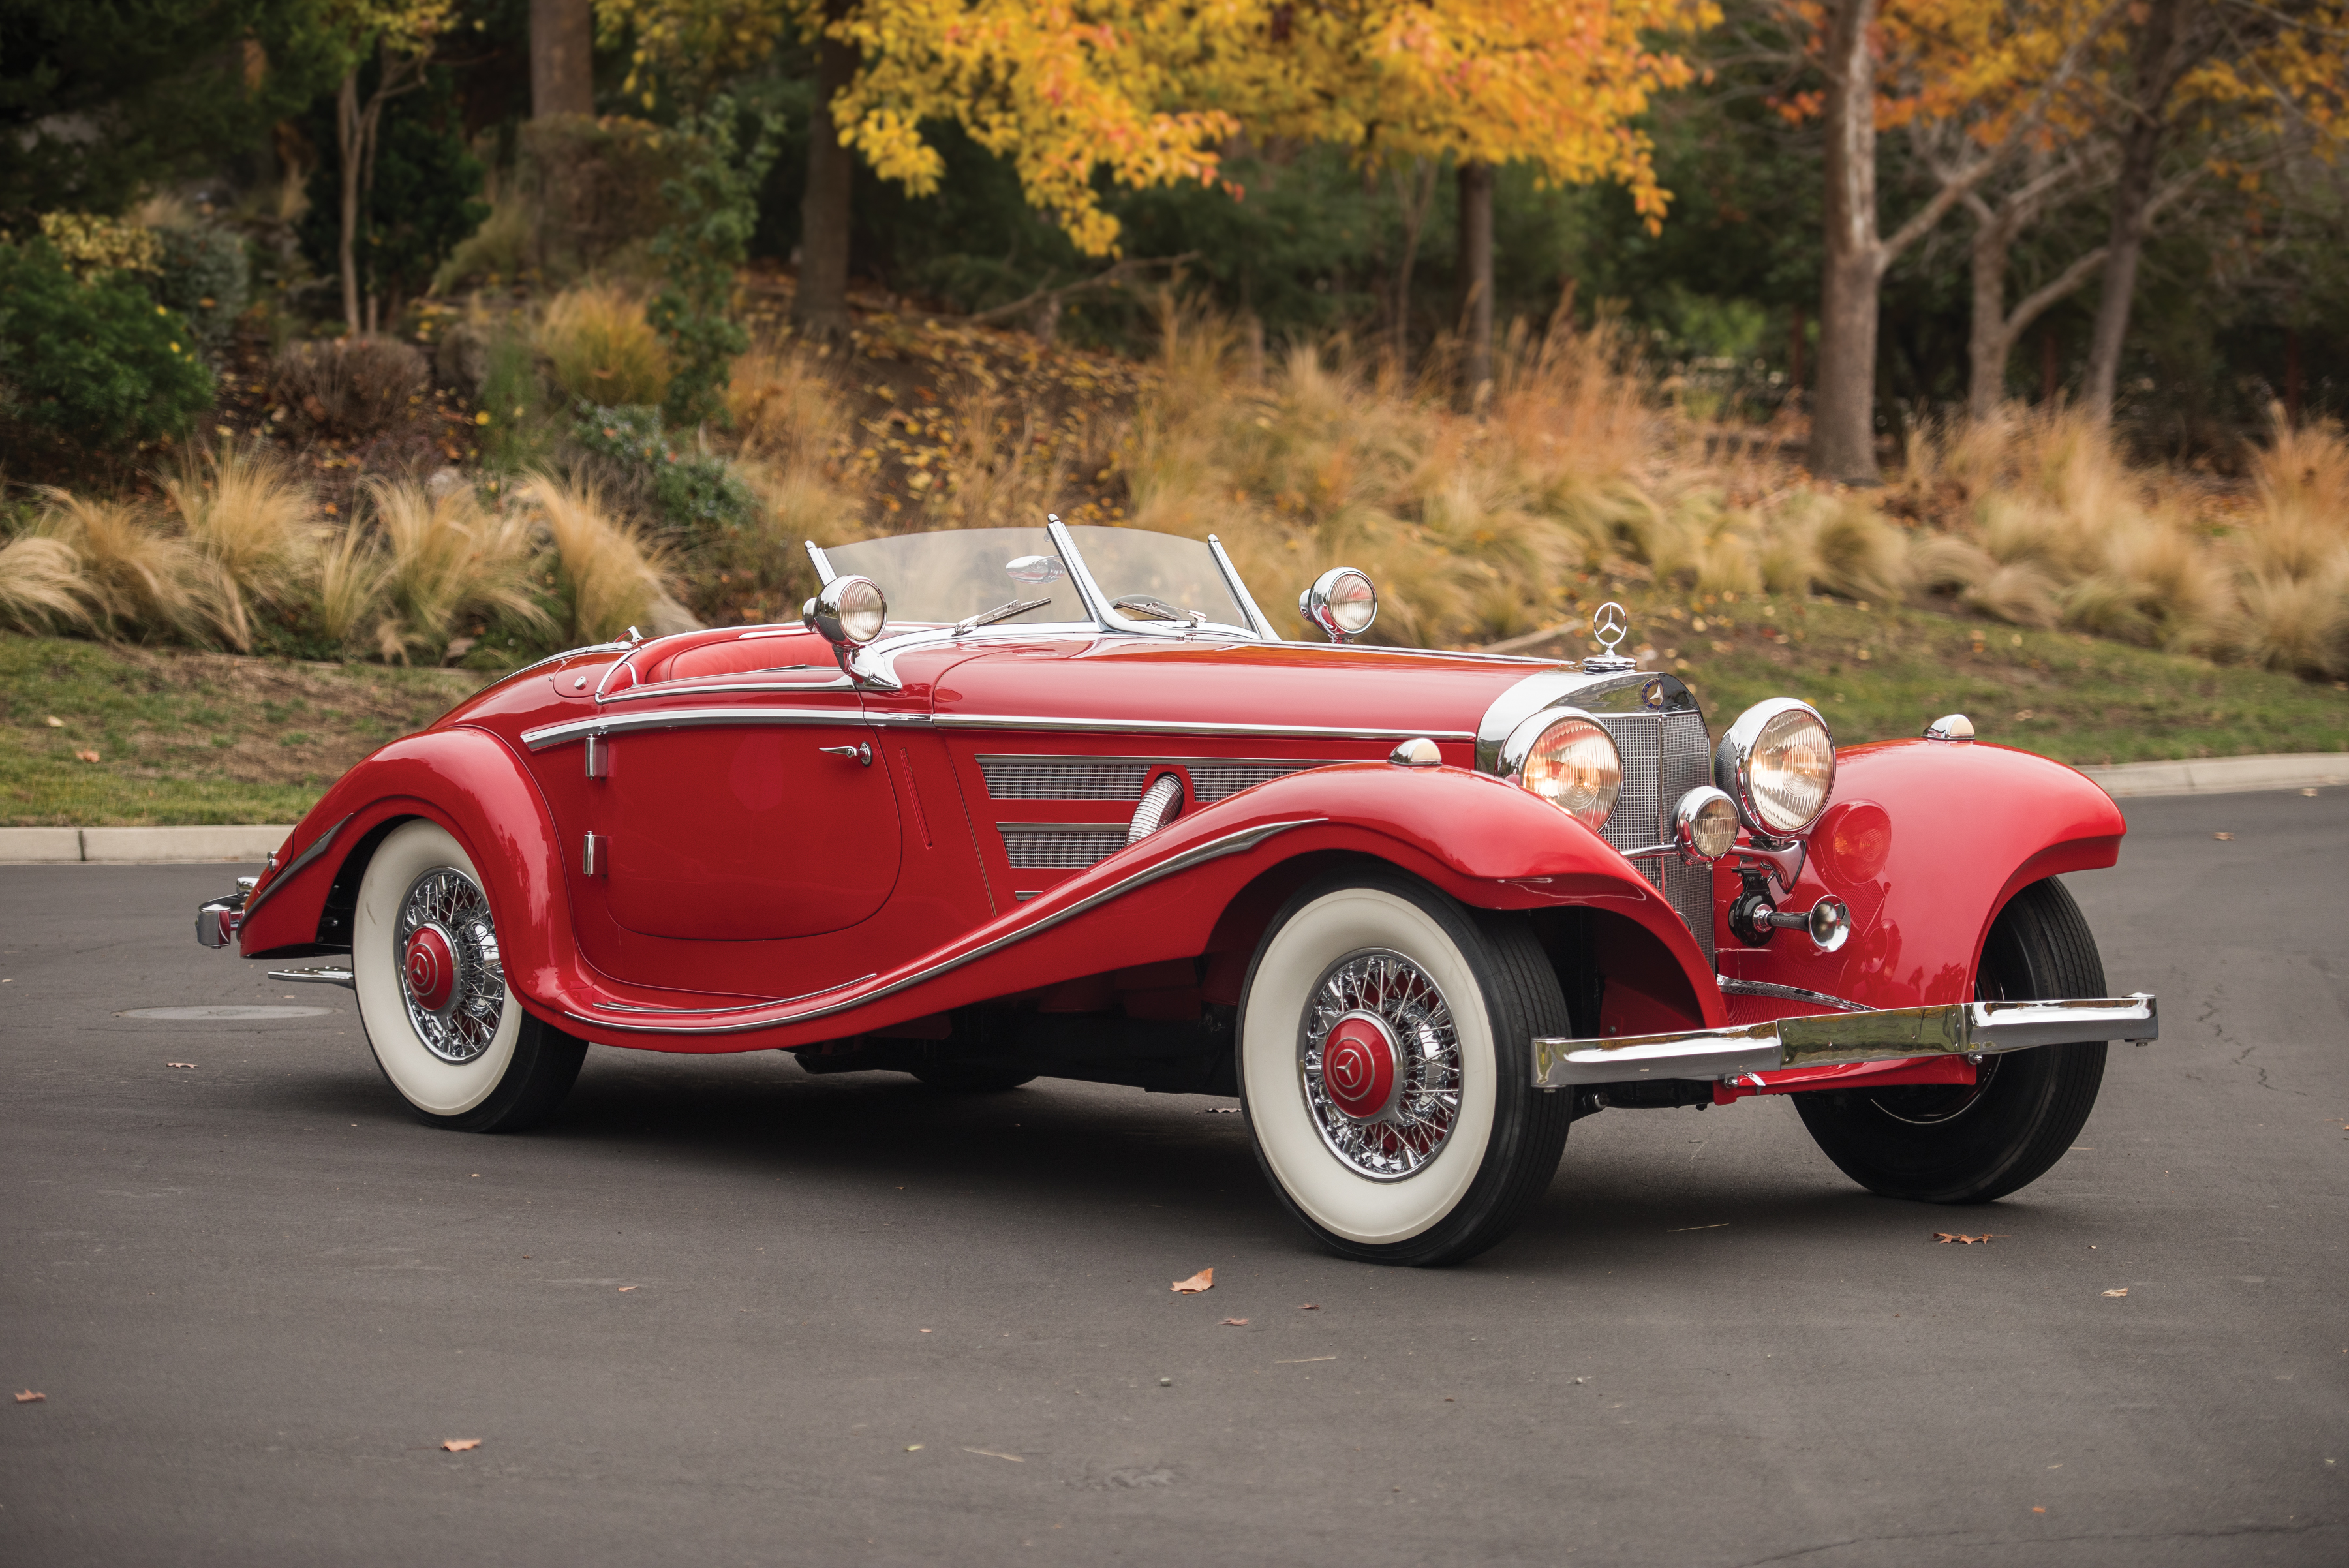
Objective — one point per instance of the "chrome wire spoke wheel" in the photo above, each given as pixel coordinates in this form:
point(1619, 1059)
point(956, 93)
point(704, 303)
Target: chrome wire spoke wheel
point(1379, 1056)
point(450, 977)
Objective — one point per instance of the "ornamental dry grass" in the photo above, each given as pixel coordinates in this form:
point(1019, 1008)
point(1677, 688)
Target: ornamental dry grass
point(252, 522)
point(599, 346)
point(2053, 527)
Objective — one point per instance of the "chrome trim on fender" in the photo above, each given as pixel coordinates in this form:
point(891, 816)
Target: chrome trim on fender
point(1978, 1028)
point(1237, 843)
point(1182, 727)
point(317, 847)
point(1789, 993)
point(548, 735)
point(744, 1007)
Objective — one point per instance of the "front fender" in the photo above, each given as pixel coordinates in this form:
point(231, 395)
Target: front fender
point(1926, 841)
point(470, 783)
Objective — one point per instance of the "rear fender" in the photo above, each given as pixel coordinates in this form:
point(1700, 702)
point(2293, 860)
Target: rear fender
point(1926, 841)
point(467, 781)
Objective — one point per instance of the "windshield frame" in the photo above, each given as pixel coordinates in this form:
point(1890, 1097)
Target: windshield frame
point(1105, 618)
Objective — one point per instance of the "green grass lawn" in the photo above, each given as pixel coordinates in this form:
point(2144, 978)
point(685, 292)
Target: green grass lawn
point(190, 737)
point(1878, 673)
point(204, 737)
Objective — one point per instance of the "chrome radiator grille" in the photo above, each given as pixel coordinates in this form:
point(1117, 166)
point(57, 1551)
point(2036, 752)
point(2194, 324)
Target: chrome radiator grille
point(1665, 755)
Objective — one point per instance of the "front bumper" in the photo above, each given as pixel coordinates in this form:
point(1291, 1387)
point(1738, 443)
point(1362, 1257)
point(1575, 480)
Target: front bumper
point(1895, 1033)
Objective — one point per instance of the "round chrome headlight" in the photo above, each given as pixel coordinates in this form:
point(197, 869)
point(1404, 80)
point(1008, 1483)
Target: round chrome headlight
point(1704, 824)
point(1778, 763)
point(1341, 602)
point(850, 610)
point(1567, 760)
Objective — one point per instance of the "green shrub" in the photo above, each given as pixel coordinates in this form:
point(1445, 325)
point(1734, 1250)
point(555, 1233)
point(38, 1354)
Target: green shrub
point(699, 492)
point(203, 275)
point(716, 203)
point(98, 361)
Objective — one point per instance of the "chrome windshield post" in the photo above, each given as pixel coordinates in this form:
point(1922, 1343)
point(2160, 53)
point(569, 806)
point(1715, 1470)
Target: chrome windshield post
point(1239, 591)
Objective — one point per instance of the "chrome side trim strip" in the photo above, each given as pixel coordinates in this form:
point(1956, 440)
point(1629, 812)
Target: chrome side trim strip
point(1235, 843)
point(317, 847)
point(1185, 727)
point(547, 735)
point(322, 974)
point(744, 1007)
point(716, 687)
point(1964, 1028)
point(1788, 993)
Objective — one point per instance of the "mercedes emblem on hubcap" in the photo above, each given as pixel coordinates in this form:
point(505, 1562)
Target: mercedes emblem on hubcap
point(1358, 1067)
point(431, 969)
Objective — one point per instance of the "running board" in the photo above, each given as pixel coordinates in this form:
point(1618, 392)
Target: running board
point(325, 974)
point(1965, 1028)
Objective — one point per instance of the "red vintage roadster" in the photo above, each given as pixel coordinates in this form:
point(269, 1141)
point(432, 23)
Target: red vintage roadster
point(1059, 801)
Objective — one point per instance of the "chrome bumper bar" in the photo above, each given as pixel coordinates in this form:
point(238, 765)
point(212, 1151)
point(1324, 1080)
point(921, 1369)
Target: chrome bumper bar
point(1965, 1028)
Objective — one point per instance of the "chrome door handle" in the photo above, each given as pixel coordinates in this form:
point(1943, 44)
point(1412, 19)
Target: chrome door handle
point(862, 751)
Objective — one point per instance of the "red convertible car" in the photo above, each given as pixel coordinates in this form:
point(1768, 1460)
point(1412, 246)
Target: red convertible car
point(1059, 801)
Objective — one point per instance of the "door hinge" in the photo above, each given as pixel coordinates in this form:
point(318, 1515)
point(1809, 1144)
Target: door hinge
point(599, 758)
point(595, 856)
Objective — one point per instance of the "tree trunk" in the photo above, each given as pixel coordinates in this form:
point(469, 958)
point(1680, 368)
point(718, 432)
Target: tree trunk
point(562, 44)
point(1415, 188)
point(349, 145)
point(820, 309)
point(2155, 73)
point(1476, 280)
point(1798, 330)
point(2051, 366)
point(1991, 337)
point(1843, 414)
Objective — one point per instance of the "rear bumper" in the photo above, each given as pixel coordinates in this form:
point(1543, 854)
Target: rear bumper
point(217, 921)
point(1966, 1028)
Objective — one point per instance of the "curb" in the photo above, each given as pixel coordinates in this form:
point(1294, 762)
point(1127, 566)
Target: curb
point(2223, 775)
point(138, 846)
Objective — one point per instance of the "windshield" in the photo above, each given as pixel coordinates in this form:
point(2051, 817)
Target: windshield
point(955, 574)
point(1131, 563)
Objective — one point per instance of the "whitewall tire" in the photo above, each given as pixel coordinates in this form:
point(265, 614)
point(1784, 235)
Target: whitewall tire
point(1384, 1061)
point(432, 994)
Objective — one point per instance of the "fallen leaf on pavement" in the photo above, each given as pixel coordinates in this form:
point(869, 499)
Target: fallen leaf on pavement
point(179, 1063)
point(2223, 835)
point(29, 1397)
point(625, 1289)
point(87, 756)
point(1946, 1237)
point(1304, 1361)
point(991, 1454)
point(1315, 1306)
point(1233, 1322)
point(1204, 1279)
point(2122, 1292)
point(459, 1445)
point(2038, 1511)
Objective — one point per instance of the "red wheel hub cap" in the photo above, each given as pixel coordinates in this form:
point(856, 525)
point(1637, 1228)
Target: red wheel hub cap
point(1358, 1067)
point(429, 968)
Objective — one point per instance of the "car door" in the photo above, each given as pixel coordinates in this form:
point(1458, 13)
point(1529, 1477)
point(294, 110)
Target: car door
point(735, 821)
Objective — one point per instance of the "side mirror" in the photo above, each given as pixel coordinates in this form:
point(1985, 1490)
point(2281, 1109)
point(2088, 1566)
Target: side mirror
point(849, 612)
point(1341, 602)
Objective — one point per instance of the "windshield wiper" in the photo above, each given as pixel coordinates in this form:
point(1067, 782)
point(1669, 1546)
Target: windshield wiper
point(1159, 609)
point(1000, 612)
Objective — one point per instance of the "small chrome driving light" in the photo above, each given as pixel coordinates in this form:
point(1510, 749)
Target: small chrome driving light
point(1568, 759)
point(847, 611)
point(1341, 602)
point(1704, 825)
point(1778, 763)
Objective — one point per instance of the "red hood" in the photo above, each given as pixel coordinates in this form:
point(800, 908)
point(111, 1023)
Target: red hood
point(1124, 682)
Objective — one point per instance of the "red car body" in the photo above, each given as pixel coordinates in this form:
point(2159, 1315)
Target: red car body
point(718, 841)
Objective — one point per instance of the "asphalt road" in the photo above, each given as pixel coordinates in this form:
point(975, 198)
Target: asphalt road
point(722, 1313)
